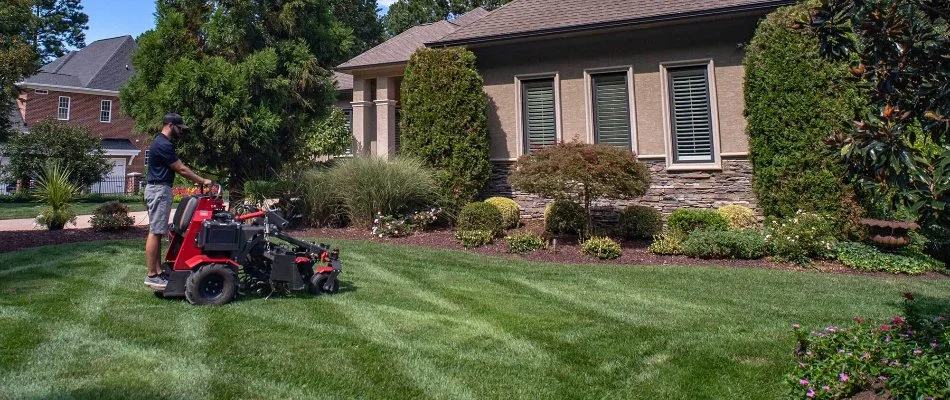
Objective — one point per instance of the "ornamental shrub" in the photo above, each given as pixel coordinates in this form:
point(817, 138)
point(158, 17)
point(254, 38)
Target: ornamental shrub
point(368, 186)
point(640, 222)
point(601, 247)
point(480, 216)
point(563, 216)
point(740, 217)
point(476, 238)
point(794, 99)
point(745, 245)
point(801, 238)
point(908, 356)
point(870, 258)
point(111, 216)
point(525, 242)
point(686, 220)
point(76, 148)
point(444, 121)
point(667, 244)
point(509, 209)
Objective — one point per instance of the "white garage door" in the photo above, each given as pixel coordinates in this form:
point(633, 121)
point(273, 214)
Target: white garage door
point(114, 181)
point(5, 185)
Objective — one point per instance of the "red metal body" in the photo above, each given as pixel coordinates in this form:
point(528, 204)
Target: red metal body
point(187, 255)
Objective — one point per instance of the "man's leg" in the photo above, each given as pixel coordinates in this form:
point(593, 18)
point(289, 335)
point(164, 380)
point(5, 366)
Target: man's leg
point(158, 199)
point(153, 254)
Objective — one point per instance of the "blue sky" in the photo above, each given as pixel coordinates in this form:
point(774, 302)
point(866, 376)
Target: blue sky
point(110, 18)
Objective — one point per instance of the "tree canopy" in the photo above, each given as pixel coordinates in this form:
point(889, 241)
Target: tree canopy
point(250, 77)
point(17, 60)
point(405, 14)
point(79, 151)
point(55, 25)
point(360, 16)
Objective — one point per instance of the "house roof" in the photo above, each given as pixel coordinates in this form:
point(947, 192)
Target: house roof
point(102, 65)
point(399, 48)
point(118, 144)
point(526, 18)
point(343, 81)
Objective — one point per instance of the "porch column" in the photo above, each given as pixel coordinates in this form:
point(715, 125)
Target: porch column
point(364, 116)
point(386, 117)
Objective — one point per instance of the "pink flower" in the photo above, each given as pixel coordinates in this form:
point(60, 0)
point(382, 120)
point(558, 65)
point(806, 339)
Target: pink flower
point(796, 326)
point(898, 320)
point(843, 377)
point(865, 356)
point(811, 393)
point(885, 327)
point(917, 352)
point(858, 320)
point(803, 382)
point(826, 388)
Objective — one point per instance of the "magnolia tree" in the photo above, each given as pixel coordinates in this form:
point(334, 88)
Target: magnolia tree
point(900, 49)
point(581, 172)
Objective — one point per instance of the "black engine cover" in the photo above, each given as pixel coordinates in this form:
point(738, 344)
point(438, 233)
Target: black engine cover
point(219, 236)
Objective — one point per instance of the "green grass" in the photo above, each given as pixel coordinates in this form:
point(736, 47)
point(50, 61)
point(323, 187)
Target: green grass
point(77, 322)
point(31, 210)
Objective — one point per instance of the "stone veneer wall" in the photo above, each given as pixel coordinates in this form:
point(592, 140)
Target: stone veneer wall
point(669, 190)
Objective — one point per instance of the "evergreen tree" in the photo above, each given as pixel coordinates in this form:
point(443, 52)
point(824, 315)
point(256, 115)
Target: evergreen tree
point(55, 25)
point(17, 60)
point(361, 16)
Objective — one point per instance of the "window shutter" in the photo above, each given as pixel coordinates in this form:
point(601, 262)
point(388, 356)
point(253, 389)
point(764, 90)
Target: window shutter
point(691, 115)
point(611, 110)
point(540, 128)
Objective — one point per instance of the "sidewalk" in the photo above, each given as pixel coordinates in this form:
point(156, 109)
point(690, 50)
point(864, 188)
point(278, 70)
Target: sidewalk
point(82, 222)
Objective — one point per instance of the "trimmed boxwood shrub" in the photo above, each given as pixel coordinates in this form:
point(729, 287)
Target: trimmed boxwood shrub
point(745, 245)
point(509, 209)
point(686, 220)
point(480, 217)
point(444, 121)
point(563, 216)
point(640, 222)
point(603, 248)
point(740, 217)
point(795, 99)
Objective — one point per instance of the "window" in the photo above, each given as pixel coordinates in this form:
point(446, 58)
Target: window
point(539, 118)
point(63, 112)
point(692, 122)
point(105, 111)
point(610, 100)
point(40, 91)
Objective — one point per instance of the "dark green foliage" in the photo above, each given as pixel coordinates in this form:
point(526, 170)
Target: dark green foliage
point(563, 216)
point(601, 247)
point(862, 256)
point(444, 121)
point(744, 245)
point(475, 238)
point(80, 152)
point(686, 220)
point(111, 216)
point(331, 137)
point(250, 77)
point(938, 242)
point(901, 51)
point(361, 17)
point(524, 242)
point(322, 206)
point(801, 238)
point(480, 216)
point(56, 26)
point(405, 14)
point(17, 59)
point(640, 222)
point(370, 186)
point(795, 99)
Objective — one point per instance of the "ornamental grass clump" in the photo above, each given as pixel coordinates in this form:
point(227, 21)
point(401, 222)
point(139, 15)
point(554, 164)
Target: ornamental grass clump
point(55, 189)
point(368, 186)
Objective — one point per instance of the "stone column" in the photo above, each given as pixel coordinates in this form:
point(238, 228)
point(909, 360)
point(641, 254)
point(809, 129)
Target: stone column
point(364, 116)
point(386, 117)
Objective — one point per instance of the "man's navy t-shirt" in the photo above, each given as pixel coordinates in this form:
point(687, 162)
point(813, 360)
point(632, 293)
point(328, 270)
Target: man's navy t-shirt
point(161, 154)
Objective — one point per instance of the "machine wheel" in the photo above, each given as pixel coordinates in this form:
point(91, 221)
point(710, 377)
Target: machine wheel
point(319, 280)
point(212, 284)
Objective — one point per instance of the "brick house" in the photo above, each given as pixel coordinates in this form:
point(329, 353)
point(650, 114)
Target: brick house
point(82, 88)
point(663, 79)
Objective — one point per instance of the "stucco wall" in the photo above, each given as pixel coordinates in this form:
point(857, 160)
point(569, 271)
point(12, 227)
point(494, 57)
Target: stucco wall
point(644, 50)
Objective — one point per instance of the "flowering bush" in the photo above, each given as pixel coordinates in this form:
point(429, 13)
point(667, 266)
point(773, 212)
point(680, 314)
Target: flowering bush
point(111, 216)
point(179, 192)
point(603, 248)
point(908, 357)
point(524, 242)
point(475, 238)
point(392, 226)
point(801, 238)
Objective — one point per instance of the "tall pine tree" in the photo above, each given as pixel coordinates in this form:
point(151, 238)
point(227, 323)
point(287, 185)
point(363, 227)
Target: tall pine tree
point(17, 59)
point(56, 24)
point(251, 78)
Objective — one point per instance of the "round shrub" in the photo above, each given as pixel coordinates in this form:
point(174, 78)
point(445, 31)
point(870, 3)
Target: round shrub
point(740, 218)
point(745, 245)
point(480, 217)
point(509, 209)
point(601, 247)
point(795, 99)
point(640, 222)
point(565, 217)
point(111, 216)
point(686, 220)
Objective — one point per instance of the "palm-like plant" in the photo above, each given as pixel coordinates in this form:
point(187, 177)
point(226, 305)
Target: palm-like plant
point(54, 188)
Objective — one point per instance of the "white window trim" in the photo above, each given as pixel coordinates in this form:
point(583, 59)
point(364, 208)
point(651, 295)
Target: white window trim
point(41, 91)
point(714, 113)
point(69, 106)
point(102, 103)
point(631, 98)
point(518, 108)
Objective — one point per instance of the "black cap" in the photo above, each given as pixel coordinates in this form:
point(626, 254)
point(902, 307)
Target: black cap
point(174, 119)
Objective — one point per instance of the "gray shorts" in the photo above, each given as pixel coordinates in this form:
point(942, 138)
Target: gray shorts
point(158, 199)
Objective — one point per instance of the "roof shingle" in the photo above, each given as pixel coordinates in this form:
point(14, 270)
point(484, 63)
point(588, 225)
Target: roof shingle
point(102, 65)
point(522, 18)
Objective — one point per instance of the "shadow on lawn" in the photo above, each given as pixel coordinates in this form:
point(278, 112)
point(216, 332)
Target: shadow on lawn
point(102, 392)
point(345, 287)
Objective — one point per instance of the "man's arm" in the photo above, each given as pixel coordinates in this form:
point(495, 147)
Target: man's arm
point(187, 173)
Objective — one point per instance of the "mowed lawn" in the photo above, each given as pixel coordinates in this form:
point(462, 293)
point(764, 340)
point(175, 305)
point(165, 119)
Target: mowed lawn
point(31, 210)
point(77, 322)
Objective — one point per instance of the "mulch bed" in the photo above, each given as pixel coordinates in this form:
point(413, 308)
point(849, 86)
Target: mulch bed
point(567, 250)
